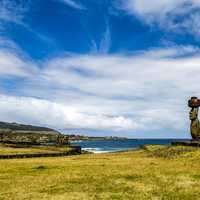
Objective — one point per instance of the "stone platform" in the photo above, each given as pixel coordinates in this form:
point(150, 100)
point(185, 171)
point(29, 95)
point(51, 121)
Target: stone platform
point(193, 143)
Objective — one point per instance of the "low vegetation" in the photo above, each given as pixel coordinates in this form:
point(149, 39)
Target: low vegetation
point(11, 149)
point(153, 172)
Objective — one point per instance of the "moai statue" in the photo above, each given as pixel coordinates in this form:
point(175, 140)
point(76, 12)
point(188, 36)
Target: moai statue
point(194, 104)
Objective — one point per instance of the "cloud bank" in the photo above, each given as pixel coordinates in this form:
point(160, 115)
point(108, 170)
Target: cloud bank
point(171, 15)
point(145, 91)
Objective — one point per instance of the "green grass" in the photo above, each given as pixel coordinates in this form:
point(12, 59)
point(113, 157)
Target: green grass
point(6, 149)
point(152, 173)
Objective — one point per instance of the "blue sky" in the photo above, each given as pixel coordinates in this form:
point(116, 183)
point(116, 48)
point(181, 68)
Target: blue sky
point(101, 67)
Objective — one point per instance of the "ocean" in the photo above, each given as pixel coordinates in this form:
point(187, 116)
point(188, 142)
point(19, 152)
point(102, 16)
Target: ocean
point(106, 146)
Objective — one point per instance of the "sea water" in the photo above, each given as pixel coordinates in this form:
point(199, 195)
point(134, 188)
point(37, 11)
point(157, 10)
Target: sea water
point(105, 146)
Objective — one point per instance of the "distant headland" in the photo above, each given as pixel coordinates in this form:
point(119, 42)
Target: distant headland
point(75, 137)
point(29, 134)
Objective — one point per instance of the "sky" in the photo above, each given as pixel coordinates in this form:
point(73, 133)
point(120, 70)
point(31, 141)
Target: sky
point(100, 67)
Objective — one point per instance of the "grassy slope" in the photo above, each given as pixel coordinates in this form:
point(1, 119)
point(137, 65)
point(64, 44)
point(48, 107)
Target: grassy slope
point(151, 173)
point(6, 149)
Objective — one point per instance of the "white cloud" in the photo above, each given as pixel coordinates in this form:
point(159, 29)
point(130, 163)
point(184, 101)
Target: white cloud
point(120, 74)
point(44, 112)
point(73, 4)
point(105, 41)
point(12, 11)
point(15, 12)
point(172, 15)
point(103, 45)
point(13, 62)
point(147, 91)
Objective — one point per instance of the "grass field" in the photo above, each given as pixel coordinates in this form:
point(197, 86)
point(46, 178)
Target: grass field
point(154, 172)
point(6, 149)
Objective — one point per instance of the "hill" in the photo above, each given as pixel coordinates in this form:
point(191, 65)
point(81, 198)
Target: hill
point(23, 127)
point(21, 133)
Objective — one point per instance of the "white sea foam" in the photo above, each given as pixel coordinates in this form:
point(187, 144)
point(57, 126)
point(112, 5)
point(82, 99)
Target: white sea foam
point(97, 150)
point(101, 150)
point(76, 141)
